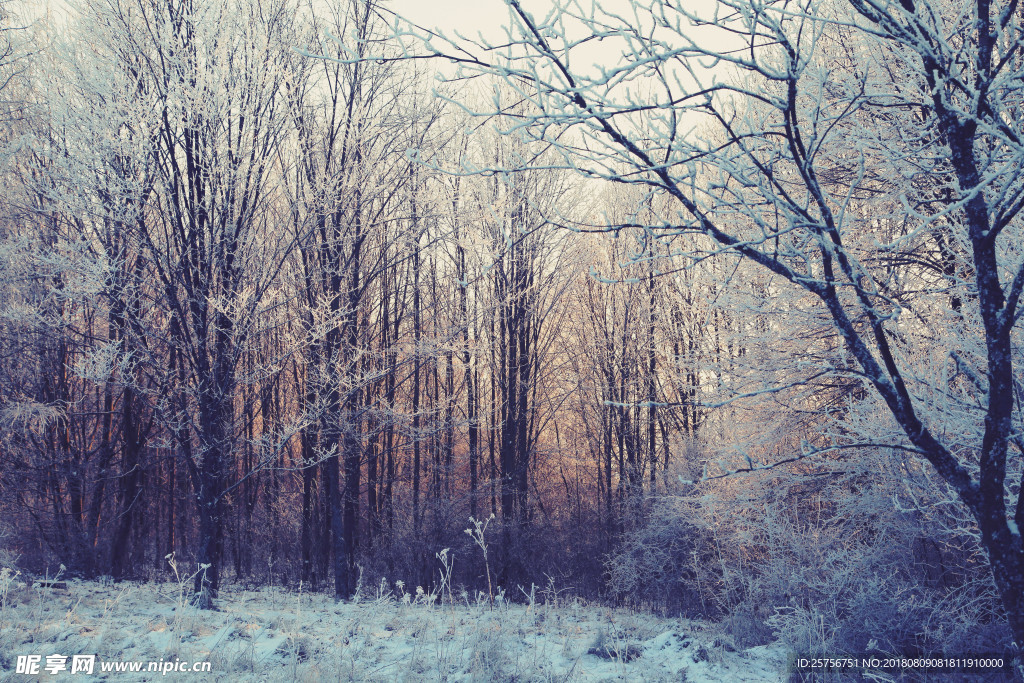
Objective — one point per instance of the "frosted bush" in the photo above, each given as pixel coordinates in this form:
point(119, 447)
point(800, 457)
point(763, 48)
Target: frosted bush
point(653, 561)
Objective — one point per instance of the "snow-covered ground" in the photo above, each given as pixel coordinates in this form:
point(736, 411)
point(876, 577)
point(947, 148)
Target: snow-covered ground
point(273, 634)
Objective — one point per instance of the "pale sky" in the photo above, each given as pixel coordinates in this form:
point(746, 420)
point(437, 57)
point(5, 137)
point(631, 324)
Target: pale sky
point(472, 16)
point(468, 17)
point(489, 17)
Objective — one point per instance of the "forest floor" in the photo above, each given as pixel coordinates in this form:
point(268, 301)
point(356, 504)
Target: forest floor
point(276, 635)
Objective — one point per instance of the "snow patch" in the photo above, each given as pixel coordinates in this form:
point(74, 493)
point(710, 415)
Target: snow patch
point(272, 634)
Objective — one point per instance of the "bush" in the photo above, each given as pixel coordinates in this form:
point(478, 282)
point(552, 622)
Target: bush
point(656, 560)
point(820, 558)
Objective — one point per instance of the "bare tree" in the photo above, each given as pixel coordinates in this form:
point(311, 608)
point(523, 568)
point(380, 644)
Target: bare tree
point(354, 122)
point(784, 177)
point(207, 236)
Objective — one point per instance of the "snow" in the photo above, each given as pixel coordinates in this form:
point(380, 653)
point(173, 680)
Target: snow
point(272, 634)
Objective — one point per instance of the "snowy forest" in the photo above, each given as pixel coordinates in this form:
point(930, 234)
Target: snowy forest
point(707, 310)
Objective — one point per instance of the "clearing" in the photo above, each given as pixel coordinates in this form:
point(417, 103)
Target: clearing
point(272, 634)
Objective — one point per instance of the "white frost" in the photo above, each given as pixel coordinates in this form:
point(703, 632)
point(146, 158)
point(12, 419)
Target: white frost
point(272, 634)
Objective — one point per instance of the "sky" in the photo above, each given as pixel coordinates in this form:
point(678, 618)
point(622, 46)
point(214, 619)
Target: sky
point(473, 18)
point(487, 16)
point(468, 17)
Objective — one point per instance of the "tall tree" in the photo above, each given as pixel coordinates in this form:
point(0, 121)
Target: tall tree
point(780, 180)
point(349, 186)
point(213, 73)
